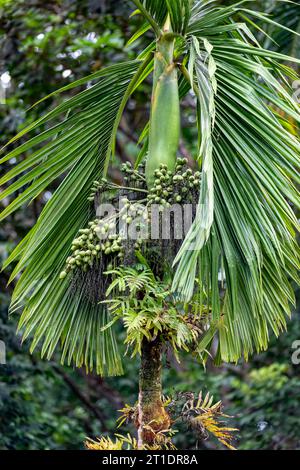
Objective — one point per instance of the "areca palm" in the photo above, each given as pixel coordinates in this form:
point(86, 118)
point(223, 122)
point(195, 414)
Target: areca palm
point(244, 254)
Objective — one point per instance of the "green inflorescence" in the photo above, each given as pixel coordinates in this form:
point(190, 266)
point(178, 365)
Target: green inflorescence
point(93, 242)
point(104, 237)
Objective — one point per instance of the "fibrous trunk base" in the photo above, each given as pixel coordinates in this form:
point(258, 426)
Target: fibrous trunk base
point(152, 417)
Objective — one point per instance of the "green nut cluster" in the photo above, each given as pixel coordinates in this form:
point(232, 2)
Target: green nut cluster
point(98, 186)
point(134, 211)
point(134, 177)
point(171, 188)
point(98, 239)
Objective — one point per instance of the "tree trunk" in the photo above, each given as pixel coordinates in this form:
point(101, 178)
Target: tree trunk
point(152, 416)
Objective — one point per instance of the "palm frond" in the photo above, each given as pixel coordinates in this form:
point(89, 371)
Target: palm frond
point(79, 146)
point(278, 27)
point(255, 167)
point(157, 11)
point(207, 419)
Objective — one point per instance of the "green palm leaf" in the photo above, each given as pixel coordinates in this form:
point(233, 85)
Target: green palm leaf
point(255, 161)
point(77, 145)
point(156, 12)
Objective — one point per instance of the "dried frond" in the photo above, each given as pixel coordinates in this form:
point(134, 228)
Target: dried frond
point(204, 417)
point(162, 439)
point(128, 413)
point(104, 443)
point(208, 421)
point(162, 442)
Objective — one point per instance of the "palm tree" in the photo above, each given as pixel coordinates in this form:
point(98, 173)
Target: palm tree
point(245, 252)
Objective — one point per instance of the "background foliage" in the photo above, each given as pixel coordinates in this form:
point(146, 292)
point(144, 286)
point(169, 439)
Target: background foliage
point(42, 405)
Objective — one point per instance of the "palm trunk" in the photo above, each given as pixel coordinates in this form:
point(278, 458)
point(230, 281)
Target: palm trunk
point(152, 416)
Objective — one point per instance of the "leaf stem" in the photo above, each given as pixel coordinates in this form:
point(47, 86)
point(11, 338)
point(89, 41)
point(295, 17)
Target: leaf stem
point(132, 189)
point(189, 79)
point(148, 17)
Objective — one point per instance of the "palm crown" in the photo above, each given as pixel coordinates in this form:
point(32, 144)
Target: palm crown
point(245, 229)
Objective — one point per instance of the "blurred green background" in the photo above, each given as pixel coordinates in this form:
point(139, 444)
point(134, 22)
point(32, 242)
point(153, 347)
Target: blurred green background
point(45, 45)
